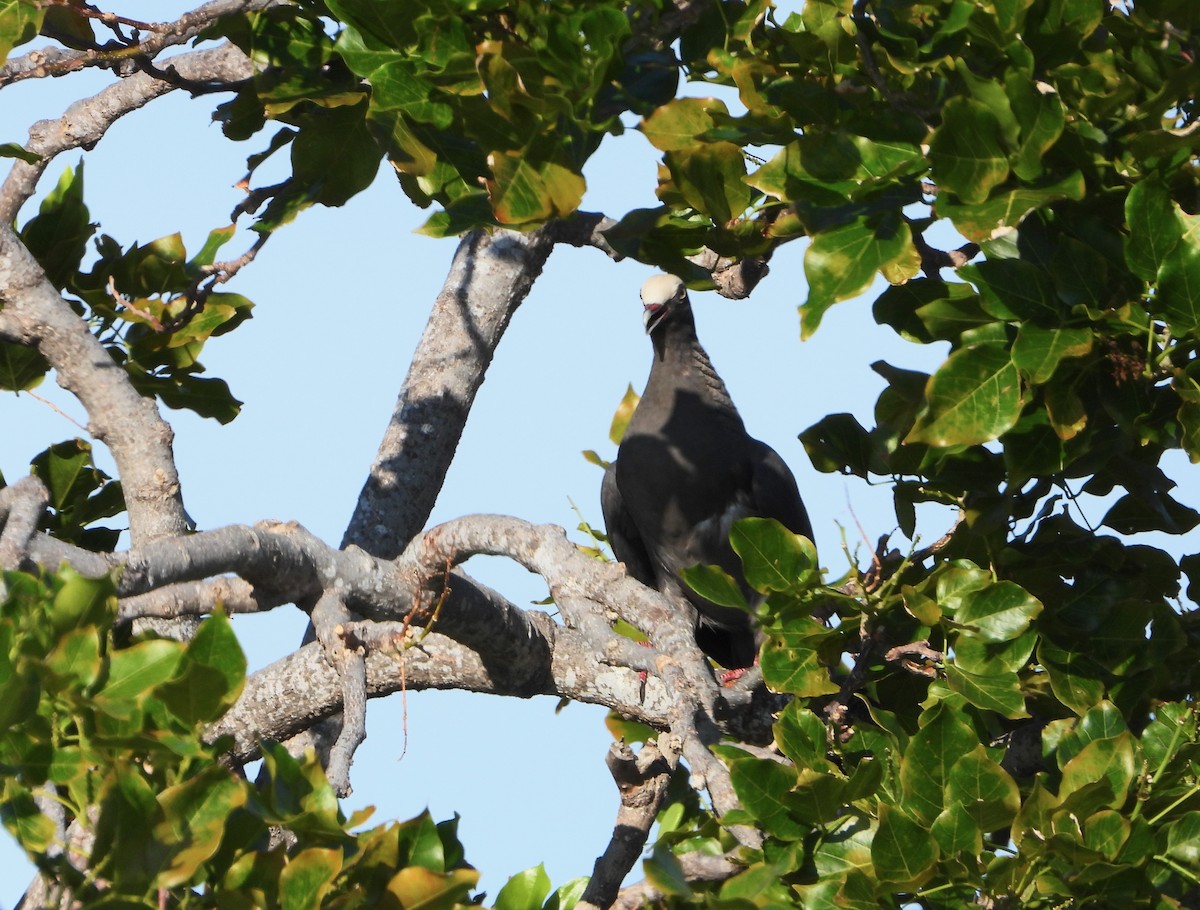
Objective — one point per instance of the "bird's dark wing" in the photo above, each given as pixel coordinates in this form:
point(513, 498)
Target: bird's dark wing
point(775, 493)
point(623, 534)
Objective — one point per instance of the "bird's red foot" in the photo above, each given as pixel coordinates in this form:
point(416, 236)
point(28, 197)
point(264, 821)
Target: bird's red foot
point(729, 677)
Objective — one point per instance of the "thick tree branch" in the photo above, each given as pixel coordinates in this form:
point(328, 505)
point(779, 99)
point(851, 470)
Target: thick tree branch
point(642, 780)
point(696, 867)
point(490, 276)
point(86, 121)
point(21, 506)
point(32, 312)
point(53, 61)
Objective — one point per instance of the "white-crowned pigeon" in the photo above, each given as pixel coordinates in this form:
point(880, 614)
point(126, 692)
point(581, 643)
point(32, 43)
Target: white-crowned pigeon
point(686, 470)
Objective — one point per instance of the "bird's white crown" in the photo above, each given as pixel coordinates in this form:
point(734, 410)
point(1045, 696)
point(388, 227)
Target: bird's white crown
point(660, 290)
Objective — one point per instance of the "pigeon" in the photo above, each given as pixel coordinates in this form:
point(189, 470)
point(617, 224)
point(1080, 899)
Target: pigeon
point(685, 471)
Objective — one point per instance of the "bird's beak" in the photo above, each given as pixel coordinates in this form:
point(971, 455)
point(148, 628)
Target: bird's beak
point(652, 315)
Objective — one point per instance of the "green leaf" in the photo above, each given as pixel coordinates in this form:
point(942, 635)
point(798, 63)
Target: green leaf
point(1154, 228)
point(984, 789)
point(997, 216)
point(14, 150)
point(1112, 760)
point(524, 190)
point(76, 657)
point(999, 692)
point(1000, 612)
point(966, 150)
point(957, 832)
point(715, 584)
point(1037, 352)
point(710, 177)
point(21, 367)
point(678, 123)
point(1106, 832)
point(666, 873)
point(524, 891)
point(82, 602)
point(841, 263)
point(622, 415)
point(19, 22)
point(791, 659)
point(902, 850)
point(763, 786)
point(307, 878)
point(135, 671)
point(195, 818)
point(773, 558)
point(33, 829)
point(802, 737)
point(838, 443)
point(417, 888)
point(931, 753)
point(1073, 676)
point(57, 235)
point(926, 310)
point(1179, 282)
point(974, 397)
point(1183, 841)
point(1013, 289)
point(1041, 117)
point(210, 675)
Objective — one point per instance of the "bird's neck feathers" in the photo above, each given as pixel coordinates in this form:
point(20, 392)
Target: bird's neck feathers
point(679, 352)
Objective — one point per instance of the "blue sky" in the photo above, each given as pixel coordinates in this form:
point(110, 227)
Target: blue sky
point(341, 298)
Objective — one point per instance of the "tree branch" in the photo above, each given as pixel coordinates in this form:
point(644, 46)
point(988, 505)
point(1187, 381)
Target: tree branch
point(130, 425)
point(21, 506)
point(86, 121)
point(53, 61)
point(490, 276)
point(642, 780)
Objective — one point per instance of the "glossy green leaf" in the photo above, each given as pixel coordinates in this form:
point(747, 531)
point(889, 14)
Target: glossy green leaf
point(973, 397)
point(1013, 289)
point(715, 584)
point(210, 675)
point(1111, 760)
point(135, 671)
point(1074, 678)
point(999, 215)
point(1179, 282)
point(802, 737)
point(76, 657)
point(523, 191)
point(82, 602)
point(524, 891)
point(841, 263)
point(678, 124)
point(967, 152)
point(195, 817)
point(1037, 352)
point(984, 789)
point(903, 851)
point(1154, 229)
point(14, 150)
point(710, 177)
point(19, 22)
point(999, 612)
point(926, 764)
point(999, 692)
point(21, 367)
point(763, 786)
point(307, 878)
point(773, 558)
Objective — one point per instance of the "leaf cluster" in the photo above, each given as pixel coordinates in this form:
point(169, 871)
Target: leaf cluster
point(138, 301)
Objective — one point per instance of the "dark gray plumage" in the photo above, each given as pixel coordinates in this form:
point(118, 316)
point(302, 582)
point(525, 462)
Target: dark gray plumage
point(685, 471)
